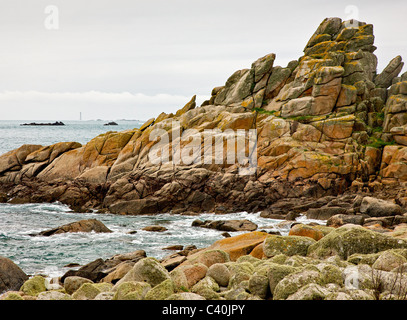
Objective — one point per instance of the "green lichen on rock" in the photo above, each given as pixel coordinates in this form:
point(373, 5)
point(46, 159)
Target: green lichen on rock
point(209, 294)
point(330, 273)
point(288, 245)
point(389, 260)
point(161, 291)
point(13, 296)
point(259, 285)
point(293, 282)
point(53, 295)
point(180, 280)
point(207, 283)
point(185, 296)
point(277, 272)
point(34, 286)
point(146, 270)
point(311, 291)
point(131, 291)
point(360, 258)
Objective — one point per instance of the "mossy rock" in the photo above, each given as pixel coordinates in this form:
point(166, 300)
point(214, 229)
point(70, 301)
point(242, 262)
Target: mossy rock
point(161, 291)
point(359, 258)
point(300, 261)
point(73, 283)
point(280, 258)
point(147, 270)
point(330, 274)
point(239, 280)
point(131, 290)
point(242, 267)
point(291, 283)
point(277, 272)
point(34, 286)
point(208, 294)
point(220, 273)
point(238, 294)
point(324, 229)
point(87, 291)
point(345, 241)
point(288, 245)
point(311, 291)
point(103, 286)
point(53, 295)
point(205, 283)
point(248, 258)
point(185, 296)
point(13, 296)
point(389, 260)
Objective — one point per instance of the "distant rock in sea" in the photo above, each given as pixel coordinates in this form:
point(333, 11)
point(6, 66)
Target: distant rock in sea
point(56, 123)
point(111, 123)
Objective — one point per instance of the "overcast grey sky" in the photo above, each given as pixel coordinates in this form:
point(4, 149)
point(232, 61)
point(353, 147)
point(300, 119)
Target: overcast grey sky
point(134, 59)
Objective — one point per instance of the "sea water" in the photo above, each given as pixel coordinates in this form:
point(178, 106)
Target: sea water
point(50, 255)
point(13, 135)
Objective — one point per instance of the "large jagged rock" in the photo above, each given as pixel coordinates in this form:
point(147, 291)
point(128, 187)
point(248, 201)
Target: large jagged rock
point(323, 122)
point(392, 70)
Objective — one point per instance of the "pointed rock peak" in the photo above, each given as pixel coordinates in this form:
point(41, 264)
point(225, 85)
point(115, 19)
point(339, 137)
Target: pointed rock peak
point(146, 124)
point(329, 26)
point(392, 70)
point(189, 106)
point(334, 35)
point(262, 66)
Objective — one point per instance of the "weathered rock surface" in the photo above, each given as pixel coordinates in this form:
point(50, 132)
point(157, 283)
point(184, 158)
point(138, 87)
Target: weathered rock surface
point(350, 262)
point(226, 225)
point(351, 239)
point(11, 276)
point(325, 123)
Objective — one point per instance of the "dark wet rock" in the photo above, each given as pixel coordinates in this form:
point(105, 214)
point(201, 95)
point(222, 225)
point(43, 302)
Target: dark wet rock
point(11, 275)
point(56, 123)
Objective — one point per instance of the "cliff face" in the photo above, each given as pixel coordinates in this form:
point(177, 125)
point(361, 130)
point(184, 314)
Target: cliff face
point(325, 123)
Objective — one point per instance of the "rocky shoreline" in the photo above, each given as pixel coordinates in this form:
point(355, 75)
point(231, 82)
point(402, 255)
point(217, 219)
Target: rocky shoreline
point(337, 261)
point(331, 145)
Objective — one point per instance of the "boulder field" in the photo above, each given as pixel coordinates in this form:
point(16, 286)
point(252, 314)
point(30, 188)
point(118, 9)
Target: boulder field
point(345, 263)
